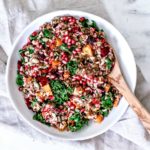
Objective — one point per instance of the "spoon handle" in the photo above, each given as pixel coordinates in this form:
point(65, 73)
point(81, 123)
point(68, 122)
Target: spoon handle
point(138, 108)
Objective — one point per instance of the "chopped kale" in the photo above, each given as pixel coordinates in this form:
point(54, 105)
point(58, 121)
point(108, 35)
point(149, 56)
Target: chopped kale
point(48, 33)
point(19, 80)
point(61, 91)
point(72, 66)
point(77, 122)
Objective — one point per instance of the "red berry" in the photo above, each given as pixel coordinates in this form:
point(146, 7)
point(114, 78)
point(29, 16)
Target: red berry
point(65, 18)
point(81, 19)
point(73, 42)
point(51, 97)
point(95, 101)
point(28, 103)
point(19, 64)
point(42, 80)
point(34, 33)
point(104, 51)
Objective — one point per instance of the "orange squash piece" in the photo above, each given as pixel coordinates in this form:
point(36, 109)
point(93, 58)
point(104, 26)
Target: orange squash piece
point(87, 50)
point(116, 102)
point(99, 118)
point(107, 87)
point(46, 88)
point(58, 42)
point(66, 75)
point(55, 63)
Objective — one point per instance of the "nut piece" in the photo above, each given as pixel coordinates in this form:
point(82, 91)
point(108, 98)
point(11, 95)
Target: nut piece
point(34, 60)
point(87, 50)
point(78, 91)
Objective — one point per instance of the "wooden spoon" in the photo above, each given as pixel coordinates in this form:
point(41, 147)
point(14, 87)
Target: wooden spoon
point(117, 79)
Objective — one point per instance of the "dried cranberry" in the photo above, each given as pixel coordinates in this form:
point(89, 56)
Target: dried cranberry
point(42, 80)
point(95, 101)
point(41, 56)
point(19, 64)
point(75, 29)
point(20, 88)
point(28, 103)
point(104, 51)
point(22, 54)
point(90, 39)
point(47, 70)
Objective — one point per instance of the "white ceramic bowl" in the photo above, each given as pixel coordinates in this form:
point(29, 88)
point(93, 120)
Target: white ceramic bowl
point(126, 60)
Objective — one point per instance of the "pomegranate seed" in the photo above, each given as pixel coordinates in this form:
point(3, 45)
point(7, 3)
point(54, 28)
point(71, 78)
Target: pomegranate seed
point(103, 40)
point(34, 33)
point(51, 97)
point(51, 54)
point(77, 77)
point(65, 18)
point(19, 64)
point(82, 110)
point(74, 52)
point(69, 40)
point(92, 29)
point(69, 29)
point(104, 51)
point(67, 37)
point(64, 62)
point(52, 77)
point(95, 101)
point(75, 29)
point(73, 42)
point(78, 50)
point(20, 88)
point(66, 59)
point(81, 19)
point(66, 33)
point(97, 105)
point(70, 20)
point(26, 67)
point(84, 82)
point(45, 70)
point(28, 40)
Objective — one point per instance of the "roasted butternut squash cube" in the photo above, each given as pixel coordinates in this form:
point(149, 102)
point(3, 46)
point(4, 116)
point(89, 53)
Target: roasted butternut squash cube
point(46, 88)
point(58, 42)
point(87, 50)
point(107, 87)
point(99, 118)
point(66, 75)
point(55, 64)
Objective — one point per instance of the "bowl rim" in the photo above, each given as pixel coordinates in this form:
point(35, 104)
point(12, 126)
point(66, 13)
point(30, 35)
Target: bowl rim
point(8, 64)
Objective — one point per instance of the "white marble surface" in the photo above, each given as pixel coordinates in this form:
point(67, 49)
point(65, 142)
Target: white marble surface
point(131, 18)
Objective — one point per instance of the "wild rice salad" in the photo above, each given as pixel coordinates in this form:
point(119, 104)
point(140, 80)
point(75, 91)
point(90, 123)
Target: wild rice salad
point(62, 73)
